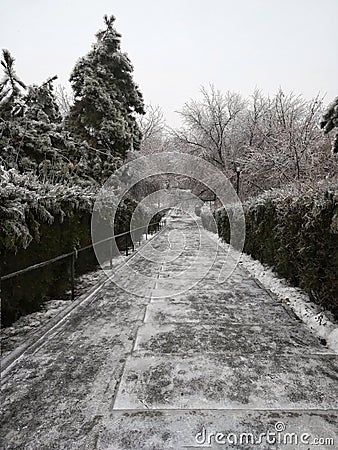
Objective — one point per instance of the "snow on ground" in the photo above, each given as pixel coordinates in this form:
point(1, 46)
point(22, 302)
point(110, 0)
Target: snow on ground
point(13, 336)
point(322, 323)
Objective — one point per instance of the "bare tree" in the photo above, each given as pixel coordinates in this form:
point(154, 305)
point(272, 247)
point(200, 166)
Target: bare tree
point(152, 123)
point(270, 141)
point(207, 125)
point(152, 126)
point(64, 99)
point(282, 137)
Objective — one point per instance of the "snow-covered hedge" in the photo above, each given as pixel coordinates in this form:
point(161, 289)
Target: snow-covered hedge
point(39, 221)
point(26, 203)
point(295, 231)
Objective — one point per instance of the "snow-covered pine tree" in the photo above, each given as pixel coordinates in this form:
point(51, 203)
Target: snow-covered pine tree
point(11, 88)
point(41, 103)
point(106, 100)
point(330, 121)
point(32, 138)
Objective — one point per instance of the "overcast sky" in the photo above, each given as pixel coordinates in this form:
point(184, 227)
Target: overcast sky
point(178, 45)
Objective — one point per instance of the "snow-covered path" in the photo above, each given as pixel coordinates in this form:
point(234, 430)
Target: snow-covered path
point(160, 360)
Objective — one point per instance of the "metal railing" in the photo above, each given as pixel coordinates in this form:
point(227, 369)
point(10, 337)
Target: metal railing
point(73, 255)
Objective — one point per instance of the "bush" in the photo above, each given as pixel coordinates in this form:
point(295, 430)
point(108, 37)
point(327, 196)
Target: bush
point(295, 231)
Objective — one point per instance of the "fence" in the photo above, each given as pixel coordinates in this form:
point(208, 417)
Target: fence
point(72, 255)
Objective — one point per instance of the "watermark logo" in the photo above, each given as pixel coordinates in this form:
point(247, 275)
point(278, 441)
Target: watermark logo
point(277, 436)
point(168, 198)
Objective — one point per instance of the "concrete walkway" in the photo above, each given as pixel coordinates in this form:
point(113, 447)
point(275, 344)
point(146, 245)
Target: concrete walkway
point(162, 360)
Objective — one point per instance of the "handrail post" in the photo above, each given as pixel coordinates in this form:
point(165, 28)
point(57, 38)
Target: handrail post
point(111, 254)
point(72, 275)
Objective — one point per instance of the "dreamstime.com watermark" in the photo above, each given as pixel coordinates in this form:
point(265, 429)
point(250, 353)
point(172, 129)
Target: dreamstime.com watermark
point(278, 436)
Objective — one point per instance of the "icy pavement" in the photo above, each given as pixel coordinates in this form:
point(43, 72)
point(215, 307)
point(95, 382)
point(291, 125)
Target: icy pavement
point(15, 335)
point(321, 322)
point(161, 358)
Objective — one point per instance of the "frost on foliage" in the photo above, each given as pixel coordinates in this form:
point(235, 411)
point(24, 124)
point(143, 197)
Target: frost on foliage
point(52, 166)
point(33, 137)
point(106, 101)
point(271, 140)
point(11, 88)
point(25, 203)
point(315, 195)
point(330, 121)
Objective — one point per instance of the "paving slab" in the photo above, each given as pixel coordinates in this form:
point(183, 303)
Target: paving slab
point(197, 311)
point(229, 296)
point(194, 429)
point(193, 338)
point(229, 382)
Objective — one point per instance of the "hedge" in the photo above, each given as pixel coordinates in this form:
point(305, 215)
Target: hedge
point(295, 231)
point(39, 221)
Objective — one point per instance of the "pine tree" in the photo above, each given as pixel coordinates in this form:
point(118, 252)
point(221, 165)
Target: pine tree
point(41, 104)
point(106, 99)
point(11, 88)
point(32, 138)
point(330, 121)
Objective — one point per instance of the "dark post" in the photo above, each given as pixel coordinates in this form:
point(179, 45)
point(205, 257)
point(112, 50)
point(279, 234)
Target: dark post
point(111, 253)
point(238, 172)
point(72, 275)
point(126, 245)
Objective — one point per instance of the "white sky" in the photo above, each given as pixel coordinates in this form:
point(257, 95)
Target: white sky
point(178, 45)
